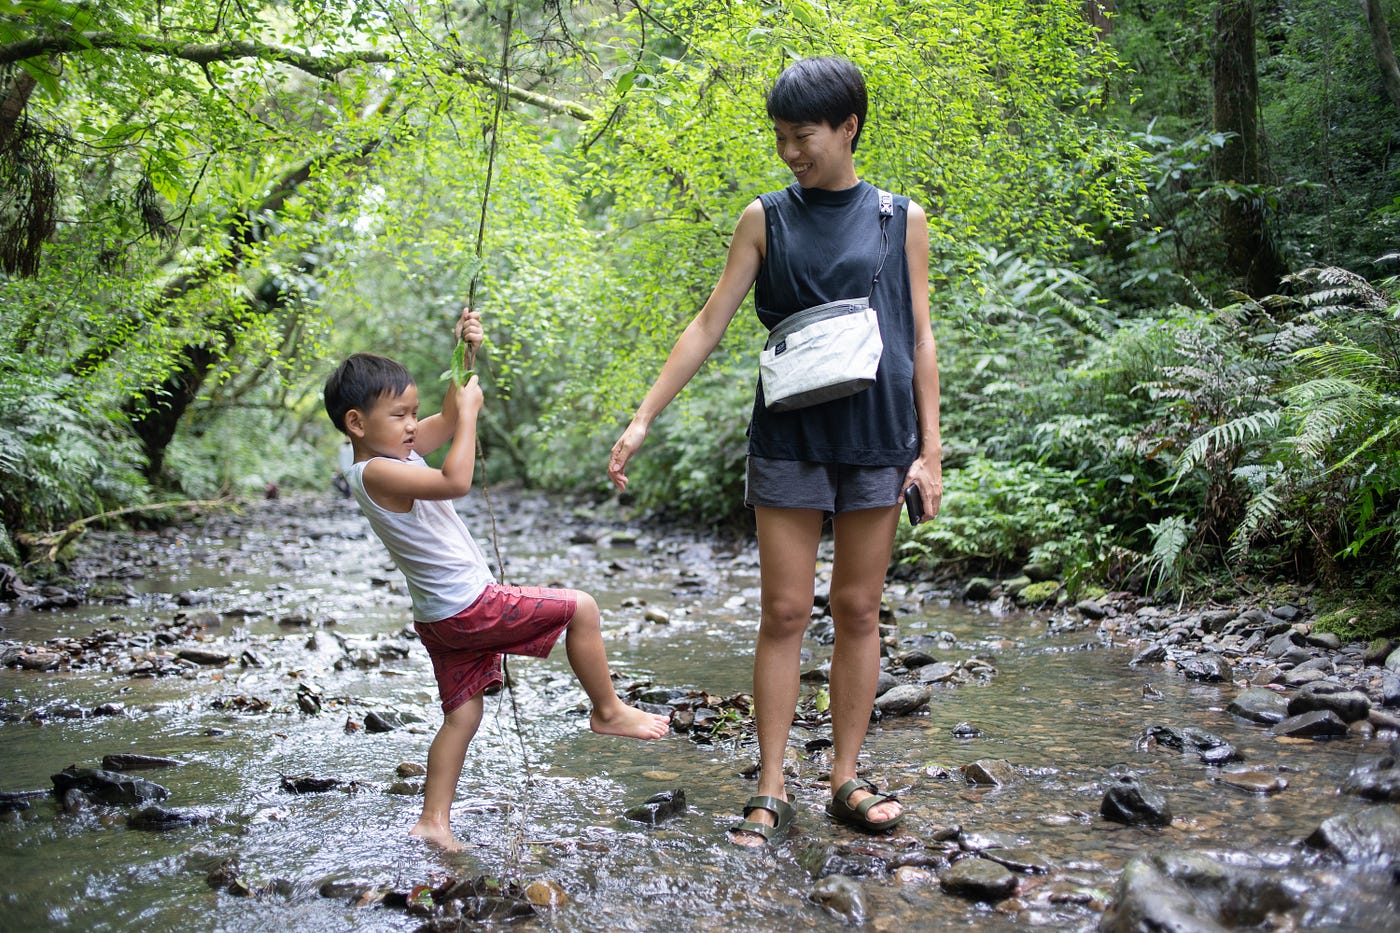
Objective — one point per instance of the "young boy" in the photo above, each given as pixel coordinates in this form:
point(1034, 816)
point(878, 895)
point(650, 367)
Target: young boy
point(464, 618)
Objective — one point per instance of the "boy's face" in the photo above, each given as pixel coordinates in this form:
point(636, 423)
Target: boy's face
point(389, 427)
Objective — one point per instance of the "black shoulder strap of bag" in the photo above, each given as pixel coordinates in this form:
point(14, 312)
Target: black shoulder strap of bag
point(886, 212)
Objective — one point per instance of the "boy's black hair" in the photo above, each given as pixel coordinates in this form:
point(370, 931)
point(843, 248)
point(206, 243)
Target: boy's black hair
point(827, 89)
point(361, 381)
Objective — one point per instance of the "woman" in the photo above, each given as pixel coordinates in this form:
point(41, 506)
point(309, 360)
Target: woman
point(817, 241)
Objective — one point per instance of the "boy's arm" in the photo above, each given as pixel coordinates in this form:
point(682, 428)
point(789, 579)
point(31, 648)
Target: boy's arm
point(394, 484)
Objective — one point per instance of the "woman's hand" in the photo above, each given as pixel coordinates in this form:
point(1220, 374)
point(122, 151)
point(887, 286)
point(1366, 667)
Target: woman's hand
point(627, 445)
point(929, 478)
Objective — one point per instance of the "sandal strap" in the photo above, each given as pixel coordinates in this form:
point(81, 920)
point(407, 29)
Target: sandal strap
point(773, 805)
point(844, 792)
point(758, 829)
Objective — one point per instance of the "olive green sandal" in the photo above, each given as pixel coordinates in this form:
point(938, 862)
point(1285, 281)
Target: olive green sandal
point(857, 817)
point(782, 811)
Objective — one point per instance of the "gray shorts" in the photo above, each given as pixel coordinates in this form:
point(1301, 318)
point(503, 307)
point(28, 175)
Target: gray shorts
point(829, 487)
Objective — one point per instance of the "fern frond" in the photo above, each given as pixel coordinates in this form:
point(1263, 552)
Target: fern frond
point(1232, 433)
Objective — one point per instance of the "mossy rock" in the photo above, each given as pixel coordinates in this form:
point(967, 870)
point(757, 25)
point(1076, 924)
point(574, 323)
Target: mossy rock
point(1039, 594)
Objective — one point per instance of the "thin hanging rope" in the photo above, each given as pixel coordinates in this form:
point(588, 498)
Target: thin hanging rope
point(517, 841)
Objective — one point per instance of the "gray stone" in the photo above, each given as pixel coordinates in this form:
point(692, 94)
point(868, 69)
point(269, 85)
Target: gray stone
point(106, 787)
point(841, 897)
point(1194, 892)
point(1369, 837)
point(992, 771)
point(659, 808)
point(979, 879)
point(902, 700)
point(1210, 668)
point(1259, 704)
point(133, 762)
point(1349, 705)
point(978, 589)
point(1128, 799)
point(936, 673)
point(1321, 724)
point(1090, 609)
point(1016, 858)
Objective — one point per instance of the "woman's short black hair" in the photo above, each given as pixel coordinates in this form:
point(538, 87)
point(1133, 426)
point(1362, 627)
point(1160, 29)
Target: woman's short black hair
point(827, 89)
point(361, 381)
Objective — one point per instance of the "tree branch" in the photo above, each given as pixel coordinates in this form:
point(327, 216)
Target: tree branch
point(320, 66)
point(1383, 49)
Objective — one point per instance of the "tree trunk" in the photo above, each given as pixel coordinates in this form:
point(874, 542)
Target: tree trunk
point(1384, 51)
point(1250, 252)
point(1098, 13)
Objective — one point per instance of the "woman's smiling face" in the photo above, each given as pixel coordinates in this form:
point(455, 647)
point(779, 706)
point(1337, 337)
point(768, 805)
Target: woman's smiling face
point(818, 154)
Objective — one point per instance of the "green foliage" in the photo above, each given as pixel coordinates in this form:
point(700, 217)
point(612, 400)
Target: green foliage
point(59, 459)
point(997, 513)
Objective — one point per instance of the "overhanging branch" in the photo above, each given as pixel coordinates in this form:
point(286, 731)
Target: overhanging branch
point(321, 66)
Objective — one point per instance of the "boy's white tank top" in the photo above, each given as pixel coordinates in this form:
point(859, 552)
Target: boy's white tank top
point(445, 568)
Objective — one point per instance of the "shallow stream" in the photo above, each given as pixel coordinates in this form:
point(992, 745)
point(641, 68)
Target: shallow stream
point(303, 586)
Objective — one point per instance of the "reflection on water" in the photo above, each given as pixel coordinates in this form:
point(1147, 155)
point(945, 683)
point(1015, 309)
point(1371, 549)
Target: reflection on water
point(1061, 710)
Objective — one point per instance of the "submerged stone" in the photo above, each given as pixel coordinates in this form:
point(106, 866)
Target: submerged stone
point(1131, 800)
point(106, 787)
point(979, 879)
point(1194, 891)
point(659, 808)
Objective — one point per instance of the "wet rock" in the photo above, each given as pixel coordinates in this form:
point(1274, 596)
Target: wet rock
point(1254, 782)
point(545, 893)
point(978, 589)
point(1349, 705)
point(902, 700)
point(1261, 705)
point(106, 787)
point(1321, 724)
point(1211, 748)
point(251, 658)
point(986, 840)
point(965, 730)
point(659, 808)
point(1152, 654)
point(1376, 777)
point(1369, 837)
point(159, 819)
point(1194, 891)
point(1090, 609)
point(885, 683)
point(1128, 799)
point(936, 673)
point(657, 616)
point(377, 723)
point(13, 801)
point(406, 789)
point(989, 771)
point(308, 784)
point(841, 897)
point(109, 709)
point(133, 762)
point(351, 887)
point(1210, 668)
point(40, 661)
point(979, 879)
point(1020, 859)
point(850, 861)
point(408, 769)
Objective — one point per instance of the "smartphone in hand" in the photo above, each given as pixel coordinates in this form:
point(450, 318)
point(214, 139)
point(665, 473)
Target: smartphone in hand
point(914, 504)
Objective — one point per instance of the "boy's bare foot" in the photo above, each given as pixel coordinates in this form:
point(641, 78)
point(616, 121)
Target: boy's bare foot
point(630, 722)
point(439, 836)
point(748, 840)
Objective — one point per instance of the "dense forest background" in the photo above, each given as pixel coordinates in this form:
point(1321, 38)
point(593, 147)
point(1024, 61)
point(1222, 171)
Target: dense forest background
point(1164, 255)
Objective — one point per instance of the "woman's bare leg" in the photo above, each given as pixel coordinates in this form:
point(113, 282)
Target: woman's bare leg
point(787, 558)
point(864, 540)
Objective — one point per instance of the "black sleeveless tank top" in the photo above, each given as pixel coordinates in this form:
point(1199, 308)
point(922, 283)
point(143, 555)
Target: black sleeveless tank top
point(825, 246)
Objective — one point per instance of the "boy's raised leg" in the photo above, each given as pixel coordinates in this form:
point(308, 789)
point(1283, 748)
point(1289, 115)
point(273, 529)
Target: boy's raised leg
point(583, 641)
point(445, 758)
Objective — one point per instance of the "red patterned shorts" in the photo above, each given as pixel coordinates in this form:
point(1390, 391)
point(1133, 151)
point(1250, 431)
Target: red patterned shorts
point(466, 649)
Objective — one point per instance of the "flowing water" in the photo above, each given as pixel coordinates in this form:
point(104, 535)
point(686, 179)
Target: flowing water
point(1061, 709)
